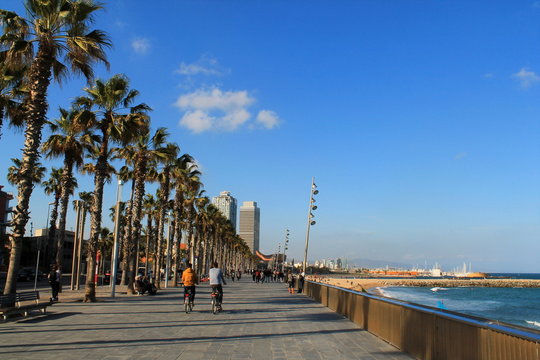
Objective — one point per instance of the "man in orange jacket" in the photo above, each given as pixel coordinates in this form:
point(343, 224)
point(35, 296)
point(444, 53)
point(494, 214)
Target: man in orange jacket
point(189, 278)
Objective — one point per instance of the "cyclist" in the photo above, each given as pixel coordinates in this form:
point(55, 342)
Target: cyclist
point(189, 278)
point(217, 280)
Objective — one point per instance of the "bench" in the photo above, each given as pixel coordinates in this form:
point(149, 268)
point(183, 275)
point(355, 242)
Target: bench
point(21, 303)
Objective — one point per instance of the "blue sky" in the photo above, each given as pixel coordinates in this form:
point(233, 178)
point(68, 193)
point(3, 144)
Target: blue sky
point(418, 119)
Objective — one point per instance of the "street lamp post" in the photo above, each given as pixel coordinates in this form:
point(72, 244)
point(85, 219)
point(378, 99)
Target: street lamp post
point(310, 222)
point(276, 265)
point(116, 237)
point(285, 248)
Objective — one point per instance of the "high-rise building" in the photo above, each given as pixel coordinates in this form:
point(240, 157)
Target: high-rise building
point(227, 205)
point(250, 224)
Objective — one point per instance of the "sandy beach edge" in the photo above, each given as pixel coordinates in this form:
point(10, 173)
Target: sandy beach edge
point(372, 285)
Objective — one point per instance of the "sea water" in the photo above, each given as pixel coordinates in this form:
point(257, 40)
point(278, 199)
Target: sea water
point(519, 306)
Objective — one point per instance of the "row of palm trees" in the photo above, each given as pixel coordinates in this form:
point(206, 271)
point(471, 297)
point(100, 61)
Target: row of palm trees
point(103, 125)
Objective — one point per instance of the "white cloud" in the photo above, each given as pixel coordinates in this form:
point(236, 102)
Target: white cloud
point(460, 155)
point(197, 121)
point(214, 109)
point(215, 99)
point(268, 119)
point(141, 45)
point(489, 75)
point(235, 118)
point(526, 78)
point(206, 65)
point(536, 5)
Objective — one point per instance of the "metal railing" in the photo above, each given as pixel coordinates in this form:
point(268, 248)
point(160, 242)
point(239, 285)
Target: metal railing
point(429, 333)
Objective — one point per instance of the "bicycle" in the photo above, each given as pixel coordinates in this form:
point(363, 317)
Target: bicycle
point(216, 304)
point(188, 301)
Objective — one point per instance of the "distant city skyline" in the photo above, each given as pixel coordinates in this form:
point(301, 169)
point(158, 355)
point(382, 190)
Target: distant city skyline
point(419, 120)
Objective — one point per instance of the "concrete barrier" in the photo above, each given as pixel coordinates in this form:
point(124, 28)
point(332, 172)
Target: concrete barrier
point(426, 332)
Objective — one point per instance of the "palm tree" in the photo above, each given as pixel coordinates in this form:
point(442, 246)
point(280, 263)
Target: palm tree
point(70, 139)
point(164, 179)
point(108, 101)
point(146, 151)
point(14, 172)
point(201, 227)
point(105, 245)
point(52, 187)
point(184, 172)
point(56, 28)
point(125, 174)
point(192, 195)
point(149, 209)
point(87, 199)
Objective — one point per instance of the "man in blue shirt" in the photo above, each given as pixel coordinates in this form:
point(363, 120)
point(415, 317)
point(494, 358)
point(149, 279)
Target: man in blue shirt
point(217, 280)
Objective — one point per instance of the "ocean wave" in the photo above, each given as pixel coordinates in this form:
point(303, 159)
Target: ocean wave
point(535, 323)
point(381, 291)
point(438, 289)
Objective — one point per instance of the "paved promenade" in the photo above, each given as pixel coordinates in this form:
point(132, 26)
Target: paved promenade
point(259, 321)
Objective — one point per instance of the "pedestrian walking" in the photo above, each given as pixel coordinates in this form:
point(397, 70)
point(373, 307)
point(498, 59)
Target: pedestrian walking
point(290, 282)
point(54, 281)
point(301, 282)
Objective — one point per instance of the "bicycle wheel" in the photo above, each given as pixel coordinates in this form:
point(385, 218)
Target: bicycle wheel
point(214, 306)
point(187, 308)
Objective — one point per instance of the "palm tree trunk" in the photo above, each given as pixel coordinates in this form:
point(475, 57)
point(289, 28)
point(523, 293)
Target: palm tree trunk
point(127, 248)
point(36, 107)
point(177, 253)
point(64, 201)
point(174, 251)
point(178, 199)
point(127, 242)
point(161, 222)
point(136, 211)
point(191, 242)
point(95, 220)
point(148, 234)
point(197, 250)
point(52, 223)
point(159, 245)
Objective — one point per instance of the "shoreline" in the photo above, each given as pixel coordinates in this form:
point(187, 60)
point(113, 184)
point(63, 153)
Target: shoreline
point(370, 285)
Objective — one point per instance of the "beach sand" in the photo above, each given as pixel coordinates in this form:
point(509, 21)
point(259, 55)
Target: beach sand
point(371, 284)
